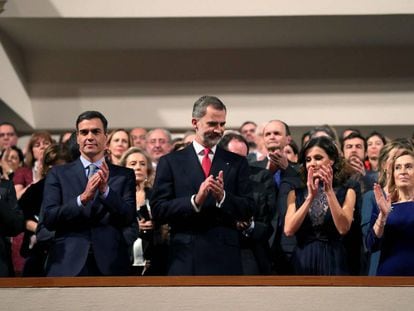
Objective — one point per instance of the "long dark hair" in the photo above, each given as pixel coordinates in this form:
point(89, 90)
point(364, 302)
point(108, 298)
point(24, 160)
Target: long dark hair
point(341, 170)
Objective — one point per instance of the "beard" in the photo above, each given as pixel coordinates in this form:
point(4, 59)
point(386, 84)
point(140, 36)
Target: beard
point(211, 139)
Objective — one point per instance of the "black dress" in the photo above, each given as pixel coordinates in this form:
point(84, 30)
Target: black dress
point(320, 249)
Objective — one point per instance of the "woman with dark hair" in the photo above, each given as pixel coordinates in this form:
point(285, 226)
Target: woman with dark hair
point(375, 142)
point(30, 203)
point(392, 224)
point(10, 160)
point(321, 211)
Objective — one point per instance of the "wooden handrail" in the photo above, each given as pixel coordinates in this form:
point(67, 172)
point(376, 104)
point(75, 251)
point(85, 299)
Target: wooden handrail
point(183, 281)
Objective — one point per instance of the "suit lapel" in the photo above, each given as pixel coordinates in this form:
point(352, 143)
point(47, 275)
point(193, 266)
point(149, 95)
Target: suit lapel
point(192, 167)
point(220, 163)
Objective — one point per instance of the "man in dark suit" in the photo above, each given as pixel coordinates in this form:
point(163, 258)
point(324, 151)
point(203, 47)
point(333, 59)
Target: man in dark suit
point(11, 224)
point(88, 203)
point(255, 233)
point(202, 191)
point(276, 135)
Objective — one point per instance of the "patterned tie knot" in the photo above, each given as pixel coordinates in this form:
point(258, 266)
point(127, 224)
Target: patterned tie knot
point(92, 168)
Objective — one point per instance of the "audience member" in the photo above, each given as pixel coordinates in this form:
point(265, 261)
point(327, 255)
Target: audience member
point(393, 222)
point(150, 250)
point(23, 177)
point(256, 232)
point(321, 212)
point(375, 142)
point(138, 137)
point(11, 159)
point(158, 144)
point(11, 224)
point(248, 131)
point(202, 191)
point(292, 152)
point(118, 142)
point(189, 137)
point(388, 152)
point(8, 135)
point(88, 203)
point(31, 172)
point(35, 252)
point(354, 148)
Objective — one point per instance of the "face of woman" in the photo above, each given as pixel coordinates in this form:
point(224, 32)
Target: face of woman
point(13, 159)
point(118, 144)
point(316, 157)
point(374, 146)
point(404, 172)
point(138, 163)
point(292, 157)
point(39, 148)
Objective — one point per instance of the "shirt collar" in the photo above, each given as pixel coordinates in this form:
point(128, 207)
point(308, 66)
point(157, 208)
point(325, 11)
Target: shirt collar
point(86, 162)
point(200, 148)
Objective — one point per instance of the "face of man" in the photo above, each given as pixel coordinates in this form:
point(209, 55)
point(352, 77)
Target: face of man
point(158, 144)
point(138, 136)
point(91, 138)
point(354, 147)
point(248, 131)
point(8, 136)
point(274, 135)
point(210, 128)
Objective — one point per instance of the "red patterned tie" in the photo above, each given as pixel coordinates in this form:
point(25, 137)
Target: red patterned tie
point(206, 162)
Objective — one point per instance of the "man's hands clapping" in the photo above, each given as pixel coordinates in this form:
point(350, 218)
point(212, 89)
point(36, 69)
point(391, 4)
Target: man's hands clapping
point(99, 181)
point(212, 185)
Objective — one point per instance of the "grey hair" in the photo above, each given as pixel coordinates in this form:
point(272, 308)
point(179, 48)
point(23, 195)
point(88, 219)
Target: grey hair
point(166, 132)
point(200, 106)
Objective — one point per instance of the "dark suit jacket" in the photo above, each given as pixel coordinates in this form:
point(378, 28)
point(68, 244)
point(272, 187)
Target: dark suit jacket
point(11, 224)
point(264, 194)
point(204, 243)
point(97, 227)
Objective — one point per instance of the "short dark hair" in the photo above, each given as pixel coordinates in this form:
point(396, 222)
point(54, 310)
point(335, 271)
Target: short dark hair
point(88, 115)
point(200, 106)
point(375, 133)
point(245, 123)
point(9, 124)
point(226, 139)
point(351, 136)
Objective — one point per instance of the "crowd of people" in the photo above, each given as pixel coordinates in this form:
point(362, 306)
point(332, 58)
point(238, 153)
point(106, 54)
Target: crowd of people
point(212, 202)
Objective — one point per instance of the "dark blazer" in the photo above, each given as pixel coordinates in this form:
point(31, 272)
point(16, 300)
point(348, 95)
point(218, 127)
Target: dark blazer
point(96, 228)
point(264, 194)
point(204, 243)
point(11, 224)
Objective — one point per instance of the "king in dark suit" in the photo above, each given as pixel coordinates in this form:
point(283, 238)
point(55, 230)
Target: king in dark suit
point(201, 192)
point(87, 210)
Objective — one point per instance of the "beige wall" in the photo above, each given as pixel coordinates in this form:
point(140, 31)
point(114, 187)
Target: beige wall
point(209, 298)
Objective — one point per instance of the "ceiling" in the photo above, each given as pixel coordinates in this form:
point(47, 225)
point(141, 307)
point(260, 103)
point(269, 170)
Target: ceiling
point(33, 34)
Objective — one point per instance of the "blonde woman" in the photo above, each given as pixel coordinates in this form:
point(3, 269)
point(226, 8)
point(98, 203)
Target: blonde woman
point(149, 252)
